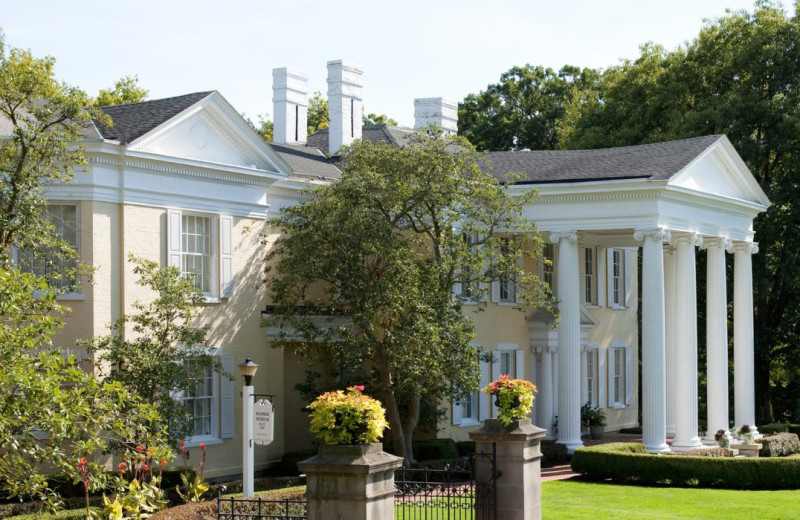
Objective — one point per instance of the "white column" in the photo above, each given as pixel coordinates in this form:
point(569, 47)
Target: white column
point(247, 441)
point(654, 400)
point(743, 368)
point(569, 341)
point(686, 343)
point(546, 393)
point(716, 337)
point(671, 326)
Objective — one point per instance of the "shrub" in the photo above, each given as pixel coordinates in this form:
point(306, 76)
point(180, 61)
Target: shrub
point(779, 445)
point(704, 452)
point(630, 462)
point(772, 428)
point(553, 454)
point(465, 448)
point(289, 460)
point(435, 449)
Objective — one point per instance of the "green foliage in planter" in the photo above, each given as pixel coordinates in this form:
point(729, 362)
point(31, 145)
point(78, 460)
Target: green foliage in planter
point(779, 445)
point(631, 462)
point(514, 398)
point(592, 415)
point(435, 449)
point(347, 417)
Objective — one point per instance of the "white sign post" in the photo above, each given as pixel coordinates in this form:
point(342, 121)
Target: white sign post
point(263, 422)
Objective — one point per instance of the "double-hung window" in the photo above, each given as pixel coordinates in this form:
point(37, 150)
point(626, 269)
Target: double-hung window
point(588, 273)
point(475, 406)
point(591, 376)
point(210, 401)
point(469, 286)
point(548, 266)
point(200, 245)
point(617, 375)
point(58, 270)
point(508, 289)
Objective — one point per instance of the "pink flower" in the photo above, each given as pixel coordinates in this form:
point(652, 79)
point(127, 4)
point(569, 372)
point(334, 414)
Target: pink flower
point(202, 446)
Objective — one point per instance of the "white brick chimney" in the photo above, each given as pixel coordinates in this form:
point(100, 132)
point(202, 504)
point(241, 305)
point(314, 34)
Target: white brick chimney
point(437, 110)
point(290, 106)
point(344, 104)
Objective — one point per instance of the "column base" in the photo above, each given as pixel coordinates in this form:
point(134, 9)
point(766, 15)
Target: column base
point(687, 445)
point(572, 445)
point(658, 448)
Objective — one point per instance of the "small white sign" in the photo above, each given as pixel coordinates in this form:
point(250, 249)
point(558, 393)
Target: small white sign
point(263, 422)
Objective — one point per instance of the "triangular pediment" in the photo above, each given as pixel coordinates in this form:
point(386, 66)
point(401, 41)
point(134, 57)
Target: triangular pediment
point(720, 172)
point(211, 132)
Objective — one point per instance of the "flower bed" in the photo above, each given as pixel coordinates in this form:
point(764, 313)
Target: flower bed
point(630, 462)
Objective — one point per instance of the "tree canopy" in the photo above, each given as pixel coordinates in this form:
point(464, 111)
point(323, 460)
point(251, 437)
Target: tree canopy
point(383, 249)
point(125, 90)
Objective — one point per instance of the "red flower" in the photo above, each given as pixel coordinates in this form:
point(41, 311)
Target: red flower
point(202, 446)
point(82, 462)
point(146, 467)
point(139, 448)
point(121, 465)
point(359, 388)
point(163, 462)
point(183, 443)
point(150, 449)
point(122, 472)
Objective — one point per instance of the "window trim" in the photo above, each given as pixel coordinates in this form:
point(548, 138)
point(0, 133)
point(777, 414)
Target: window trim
point(588, 281)
point(616, 294)
point(480, 400)
point(615, 377)
point(593, 376)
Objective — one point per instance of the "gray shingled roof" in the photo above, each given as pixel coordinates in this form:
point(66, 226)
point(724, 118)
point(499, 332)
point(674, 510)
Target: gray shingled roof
point(133, 120)
point(371, 133)
point(657, 161)
point(307, 162)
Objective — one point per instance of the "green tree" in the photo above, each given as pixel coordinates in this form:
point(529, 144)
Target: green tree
point(264, 127)
point(317, 113)
point(738, 77)
point(126, 90)
point(158, 351)
point(383, 248)
point(375, 119)
point(523, 110)
point(43, 120)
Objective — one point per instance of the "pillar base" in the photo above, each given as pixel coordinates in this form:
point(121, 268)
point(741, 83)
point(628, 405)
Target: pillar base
point(687, 445)
point(354, 482)
point(519, 490)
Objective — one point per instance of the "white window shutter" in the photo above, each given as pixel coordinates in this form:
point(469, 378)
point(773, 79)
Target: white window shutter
point(631, 375)
point(610, 276)
point(174, 238)
point(483, 406)
point(495, 376)
point(630, 267)
point(226, 256)
point(520, 364)
point(607, 370)
point(582, 273)
point(227, 419)
point(601, 277)
point(457, 413)
point(496, 291)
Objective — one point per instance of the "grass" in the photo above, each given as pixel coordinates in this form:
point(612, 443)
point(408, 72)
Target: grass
point(575, 499)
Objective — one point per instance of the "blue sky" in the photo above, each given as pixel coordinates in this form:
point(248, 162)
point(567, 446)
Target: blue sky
point(408, 49)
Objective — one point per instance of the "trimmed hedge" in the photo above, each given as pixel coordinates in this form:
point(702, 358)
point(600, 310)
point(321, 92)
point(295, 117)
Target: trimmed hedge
point(553, 454)
point(465, 448)
point(772, 428)
point(631, 462)
point(435, 449)
point(779, 445)
point(288, 465)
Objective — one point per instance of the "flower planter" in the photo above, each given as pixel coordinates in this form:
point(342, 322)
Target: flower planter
point(724, 442)
point(596, 431)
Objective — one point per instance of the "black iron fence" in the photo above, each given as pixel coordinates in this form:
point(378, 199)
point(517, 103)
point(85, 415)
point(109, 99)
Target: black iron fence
point(453, 492)
point(259, 508)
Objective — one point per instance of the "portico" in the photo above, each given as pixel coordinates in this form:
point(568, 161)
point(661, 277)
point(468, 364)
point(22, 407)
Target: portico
point(600, 210)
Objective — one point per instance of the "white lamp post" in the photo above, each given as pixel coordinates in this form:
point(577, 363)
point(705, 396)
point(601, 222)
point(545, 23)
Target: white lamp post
point(248, 370)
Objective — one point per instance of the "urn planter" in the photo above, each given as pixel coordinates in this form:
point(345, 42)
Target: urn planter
point(596, 431)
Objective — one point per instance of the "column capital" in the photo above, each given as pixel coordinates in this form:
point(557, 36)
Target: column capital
point(745, 247)
point(717, 243)
point(657, 234)
point(571, 236)
point(682, 237)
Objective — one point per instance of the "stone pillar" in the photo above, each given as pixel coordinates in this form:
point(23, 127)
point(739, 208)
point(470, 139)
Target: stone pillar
point(686, 343)
point(519, 489)
point(716, 337)
point(654, 400)
point(569, 341)
point(670, 332)
point(353, 482)
point(744, 405)
point(546, 392)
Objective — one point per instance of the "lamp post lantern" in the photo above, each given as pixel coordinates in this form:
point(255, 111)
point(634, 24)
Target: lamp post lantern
point(248, 370)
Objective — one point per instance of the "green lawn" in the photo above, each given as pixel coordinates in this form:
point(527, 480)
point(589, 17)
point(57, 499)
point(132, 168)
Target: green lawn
point(570, 499)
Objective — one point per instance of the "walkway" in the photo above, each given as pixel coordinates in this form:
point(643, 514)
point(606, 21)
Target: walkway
point(564, 471)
